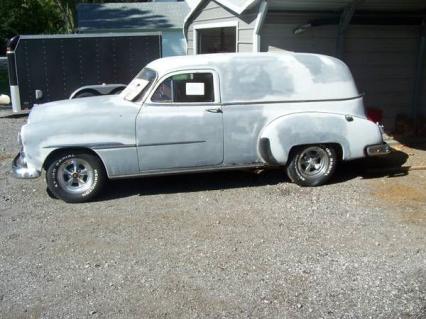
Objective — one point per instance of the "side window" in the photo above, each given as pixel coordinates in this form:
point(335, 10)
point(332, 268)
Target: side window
point(185, 88)
point(163, 93)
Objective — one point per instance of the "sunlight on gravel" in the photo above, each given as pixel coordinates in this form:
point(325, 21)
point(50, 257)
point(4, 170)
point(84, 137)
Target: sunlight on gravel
point(231, 244)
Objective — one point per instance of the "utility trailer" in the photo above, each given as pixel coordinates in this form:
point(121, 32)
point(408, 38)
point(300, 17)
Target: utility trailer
point(45, 68)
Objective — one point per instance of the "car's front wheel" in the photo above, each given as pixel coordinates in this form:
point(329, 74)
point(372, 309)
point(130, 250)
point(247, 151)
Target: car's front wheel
point(75, 177)
point(312, 165)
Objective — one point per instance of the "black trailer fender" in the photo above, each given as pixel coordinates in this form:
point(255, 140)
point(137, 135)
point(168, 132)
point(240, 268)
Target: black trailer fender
point(93, 90)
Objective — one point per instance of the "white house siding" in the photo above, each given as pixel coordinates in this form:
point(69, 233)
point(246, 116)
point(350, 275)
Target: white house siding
point(382, 58)
point(213, 13)
point(277, 34)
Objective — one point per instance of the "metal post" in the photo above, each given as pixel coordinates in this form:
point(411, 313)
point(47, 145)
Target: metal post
point(263, 9)
point(418, 80)
point(13, 82)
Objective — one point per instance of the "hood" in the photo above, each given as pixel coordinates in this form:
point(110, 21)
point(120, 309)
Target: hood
point(89, 106)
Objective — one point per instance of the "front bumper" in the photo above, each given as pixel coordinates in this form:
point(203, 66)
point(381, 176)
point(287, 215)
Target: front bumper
point(20, 168)
point(378, 149)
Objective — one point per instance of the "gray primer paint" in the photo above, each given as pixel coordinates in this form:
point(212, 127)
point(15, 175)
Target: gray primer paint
point(383, 58)
point(309, 107)
point(93, 120)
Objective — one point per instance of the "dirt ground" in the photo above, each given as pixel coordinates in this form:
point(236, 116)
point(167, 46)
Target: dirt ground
point(222, 245)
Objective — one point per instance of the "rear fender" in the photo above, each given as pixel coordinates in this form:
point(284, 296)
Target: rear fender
point(352, 133)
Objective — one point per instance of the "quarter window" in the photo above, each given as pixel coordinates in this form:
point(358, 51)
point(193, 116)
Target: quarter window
point(185, 88)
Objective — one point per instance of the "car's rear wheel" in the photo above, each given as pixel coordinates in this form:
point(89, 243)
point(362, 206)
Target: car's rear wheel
point(75, 177)
point(312, 165)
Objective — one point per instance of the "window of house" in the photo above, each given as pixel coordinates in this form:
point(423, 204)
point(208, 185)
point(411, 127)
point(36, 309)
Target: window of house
point(216, 40)
point(185, 88)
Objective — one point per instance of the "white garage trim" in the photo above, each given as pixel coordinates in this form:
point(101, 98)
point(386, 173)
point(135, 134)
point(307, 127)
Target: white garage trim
point(237, 8)
point(214, 25)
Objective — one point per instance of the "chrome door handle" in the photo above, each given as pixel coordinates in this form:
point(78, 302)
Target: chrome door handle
point(217, 110)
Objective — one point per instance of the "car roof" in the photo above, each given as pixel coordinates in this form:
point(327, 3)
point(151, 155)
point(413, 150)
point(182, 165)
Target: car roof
point(170, 64)
point(269, 76)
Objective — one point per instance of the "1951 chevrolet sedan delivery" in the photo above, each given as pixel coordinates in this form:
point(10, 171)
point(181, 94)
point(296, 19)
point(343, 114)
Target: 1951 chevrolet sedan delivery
point(201, 113)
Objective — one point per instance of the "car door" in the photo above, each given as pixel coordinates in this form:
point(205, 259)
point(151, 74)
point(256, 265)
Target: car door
point(180, 124)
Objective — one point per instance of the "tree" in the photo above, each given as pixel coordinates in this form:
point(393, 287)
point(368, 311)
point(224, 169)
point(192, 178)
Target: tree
point(68, 10)
point(39, 17)
point(28, 17)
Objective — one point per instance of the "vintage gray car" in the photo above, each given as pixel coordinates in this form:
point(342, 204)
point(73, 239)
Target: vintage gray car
point(203, 113)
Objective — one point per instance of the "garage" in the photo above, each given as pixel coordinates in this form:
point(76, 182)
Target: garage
point(383, 43)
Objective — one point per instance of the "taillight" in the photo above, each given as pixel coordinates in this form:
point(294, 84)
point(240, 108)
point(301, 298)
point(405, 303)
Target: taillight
point(375, 115)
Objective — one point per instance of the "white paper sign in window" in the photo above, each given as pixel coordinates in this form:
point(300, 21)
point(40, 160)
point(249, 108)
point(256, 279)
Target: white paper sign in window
point(194, 88)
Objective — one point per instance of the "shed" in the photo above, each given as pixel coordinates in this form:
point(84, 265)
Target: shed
point(382, 41)
point(164, 17)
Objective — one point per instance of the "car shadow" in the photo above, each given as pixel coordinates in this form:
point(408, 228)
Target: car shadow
point(417, 142)
point(388, 166)
point(183, 183)
point(373, 167)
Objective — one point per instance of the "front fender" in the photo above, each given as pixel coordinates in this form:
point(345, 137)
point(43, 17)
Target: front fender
point(111, 138)
point(352, 133)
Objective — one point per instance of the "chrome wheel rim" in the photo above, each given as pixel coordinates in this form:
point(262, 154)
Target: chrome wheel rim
point(313, 161)
point(75, 175)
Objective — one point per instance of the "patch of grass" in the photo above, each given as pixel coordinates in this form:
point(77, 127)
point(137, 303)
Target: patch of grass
point(4, 82)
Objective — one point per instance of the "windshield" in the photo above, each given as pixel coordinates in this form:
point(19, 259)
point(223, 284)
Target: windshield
point(139, 85)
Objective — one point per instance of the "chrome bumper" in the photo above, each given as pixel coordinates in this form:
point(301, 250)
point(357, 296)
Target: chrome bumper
point(378, 149)
point(20, 168)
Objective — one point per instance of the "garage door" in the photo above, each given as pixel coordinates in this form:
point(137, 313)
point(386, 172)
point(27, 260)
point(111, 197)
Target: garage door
point(382, 58)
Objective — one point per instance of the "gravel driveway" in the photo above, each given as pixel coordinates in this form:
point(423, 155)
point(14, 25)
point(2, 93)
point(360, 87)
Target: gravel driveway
point(223, 245)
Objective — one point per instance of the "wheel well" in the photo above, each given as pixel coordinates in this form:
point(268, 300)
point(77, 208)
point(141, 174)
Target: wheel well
point(339, 150)
point(336, 146)
point(59, 152)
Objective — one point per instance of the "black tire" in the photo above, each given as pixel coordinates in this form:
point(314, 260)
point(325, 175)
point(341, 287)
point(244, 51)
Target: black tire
point(86, 94)
point(312, 165)
point(75, 177)
point(117, 91)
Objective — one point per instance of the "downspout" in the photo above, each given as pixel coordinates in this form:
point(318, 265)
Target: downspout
point(263, 9)
point(345, 20)
point(418, 80)
point(186, 40)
